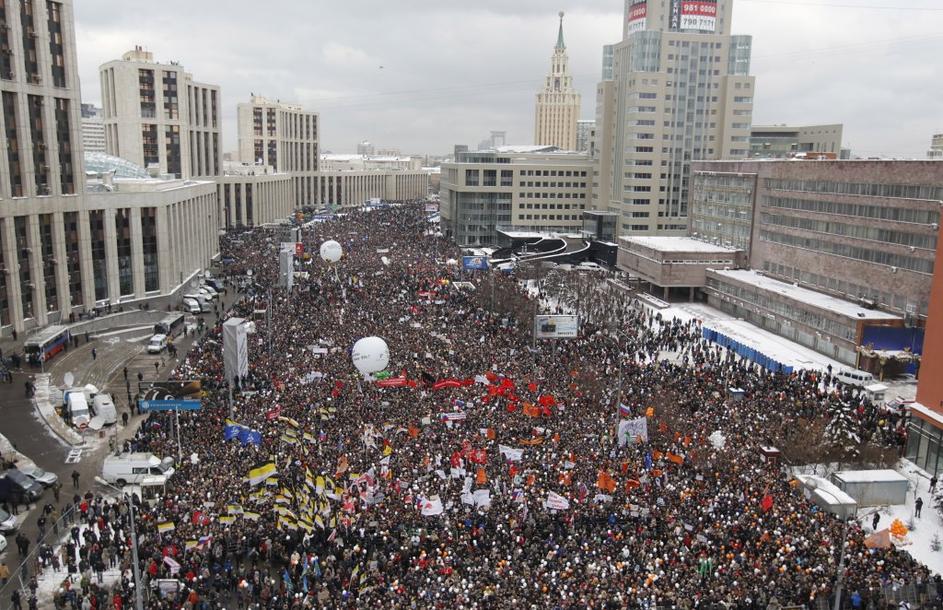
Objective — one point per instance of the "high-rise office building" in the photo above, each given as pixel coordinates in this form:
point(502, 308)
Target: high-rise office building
point(558, 105)
point(284, 136)
point(156, 115)
point(681, 92)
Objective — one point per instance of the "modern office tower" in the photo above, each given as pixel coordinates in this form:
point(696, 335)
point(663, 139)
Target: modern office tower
point(558, 105)
point(284, 136)
point(682, 92)
point(156, 115)
point(514, 188)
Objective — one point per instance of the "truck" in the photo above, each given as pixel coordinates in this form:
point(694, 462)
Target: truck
point(135, 468)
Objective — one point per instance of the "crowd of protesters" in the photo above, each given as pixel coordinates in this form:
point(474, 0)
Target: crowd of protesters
point(478, 471)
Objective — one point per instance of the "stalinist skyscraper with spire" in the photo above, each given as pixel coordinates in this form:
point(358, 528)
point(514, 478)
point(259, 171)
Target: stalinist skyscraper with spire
point(558, 105)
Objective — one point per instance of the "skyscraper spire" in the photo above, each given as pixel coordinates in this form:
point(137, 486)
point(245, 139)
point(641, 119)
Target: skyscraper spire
point(560, 43)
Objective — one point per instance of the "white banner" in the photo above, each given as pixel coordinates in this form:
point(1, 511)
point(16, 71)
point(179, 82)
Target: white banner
point(432, 506)
point(511, 454)
point(556, 327)
point(631, 429)
point(555, 501)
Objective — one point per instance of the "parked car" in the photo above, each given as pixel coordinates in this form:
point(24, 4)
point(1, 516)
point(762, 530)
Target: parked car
point(17, 487)
point(157, 344)
point(46, 479)
point(7, 523)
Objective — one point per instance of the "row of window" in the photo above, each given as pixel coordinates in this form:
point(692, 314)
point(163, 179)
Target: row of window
point(567, 185)
point(904, 238)
point(860, 210)
point(552, 206)
point(553, 195)
point(784, 309)
point(871, 255)
point(864, 189)
point(842, 288)
point(548, 217)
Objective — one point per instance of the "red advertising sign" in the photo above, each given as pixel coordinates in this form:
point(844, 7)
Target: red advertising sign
point(638, 12)
point(700, 15)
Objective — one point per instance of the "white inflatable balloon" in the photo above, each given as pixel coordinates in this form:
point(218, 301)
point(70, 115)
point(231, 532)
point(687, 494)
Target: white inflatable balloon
point(331, 251)
point(370, 355)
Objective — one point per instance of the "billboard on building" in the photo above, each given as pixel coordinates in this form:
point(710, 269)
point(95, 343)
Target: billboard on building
point(235, 349)
point(170, 396)
point(698, 15)
point(556, 327)
point(475, 262)
point(638, 15)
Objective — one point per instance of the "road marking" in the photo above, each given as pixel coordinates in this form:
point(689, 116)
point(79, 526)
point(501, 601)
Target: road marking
point(74, 457)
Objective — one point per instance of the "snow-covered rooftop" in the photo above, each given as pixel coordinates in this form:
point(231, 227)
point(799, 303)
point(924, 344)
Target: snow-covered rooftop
point(677, 244)
point(527, 148)
point(871, 476)
point(825, 489)
point(805, 295)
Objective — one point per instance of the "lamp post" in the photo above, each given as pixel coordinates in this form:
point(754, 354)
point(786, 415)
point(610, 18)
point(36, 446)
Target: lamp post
point(138, 600)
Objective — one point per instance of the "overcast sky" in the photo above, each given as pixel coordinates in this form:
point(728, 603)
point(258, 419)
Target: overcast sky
point(453, 70)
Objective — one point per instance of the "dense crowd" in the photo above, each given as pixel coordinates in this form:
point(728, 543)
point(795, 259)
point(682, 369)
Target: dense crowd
point(494, 476)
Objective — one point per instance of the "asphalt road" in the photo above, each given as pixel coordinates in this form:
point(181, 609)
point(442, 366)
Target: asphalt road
point(25, 429)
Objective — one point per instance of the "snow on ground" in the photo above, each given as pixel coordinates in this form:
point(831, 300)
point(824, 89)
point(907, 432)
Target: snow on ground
point(783, 350)
point(919, 541)
point(50, 581)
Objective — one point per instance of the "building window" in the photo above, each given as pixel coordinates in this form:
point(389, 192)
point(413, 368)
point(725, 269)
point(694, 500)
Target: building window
point(227, 206)
point(13, 148)
point(149, 146)
point(146, 91)
point(20, 231)
point(171, 104)
point(238, 203)
point(56, 46)
point(64, 138)
point(49, 265)
point(37, 134)
point(30, 59)
point(172, 137)
point(250, 216)
point(125, 268)
point(73, 257)
point(273, 154)
point(6, 51)
point(149, 247)
point(96, 221)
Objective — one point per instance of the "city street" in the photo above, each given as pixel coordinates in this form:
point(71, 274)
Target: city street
point(26, 430)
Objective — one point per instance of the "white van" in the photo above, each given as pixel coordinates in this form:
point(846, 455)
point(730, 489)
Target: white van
point(209, 290)
point(201, 299)
point(77, 407)
point(192, 306)
point(855, 377)
point(157, 344)
point(105, 409)
point(206, 293)
point(135, 468)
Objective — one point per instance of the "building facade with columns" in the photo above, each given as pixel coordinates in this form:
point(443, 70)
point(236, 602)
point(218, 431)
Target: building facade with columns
point(156, 114)
point(284, 136)
point(67, 244)
point(353, 188)
point(558, 104)
point(252, 195)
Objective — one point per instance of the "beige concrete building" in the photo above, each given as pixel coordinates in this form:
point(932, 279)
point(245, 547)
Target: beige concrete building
point(359, 162)
point(783, 141)
point(249, 195)
point(527, 188)
point(353, 188)
point(673, 266)
point(156, 115)
point(93, 129)
point(284, 136)
point(558, 105)
point(683, 92)
point(68, 245)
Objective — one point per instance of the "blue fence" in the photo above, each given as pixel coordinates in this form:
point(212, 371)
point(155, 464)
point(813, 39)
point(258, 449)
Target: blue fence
point(745, 351)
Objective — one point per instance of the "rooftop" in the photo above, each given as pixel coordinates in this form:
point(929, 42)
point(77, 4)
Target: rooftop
point(677, 244)
point(870, 476)
point(805, 295)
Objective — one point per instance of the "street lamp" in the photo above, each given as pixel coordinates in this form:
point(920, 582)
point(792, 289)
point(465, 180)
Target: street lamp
point(138, 601)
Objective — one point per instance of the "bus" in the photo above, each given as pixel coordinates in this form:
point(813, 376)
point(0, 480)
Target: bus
point(172, 325)
point(45, 344)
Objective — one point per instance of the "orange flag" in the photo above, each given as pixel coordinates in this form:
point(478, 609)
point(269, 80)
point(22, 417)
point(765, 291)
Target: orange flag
point(489, 434)
point(631, 484)
point(657, 455)
point(686, 441)
point(677, 459)
point(662, 427)
point(531, 410)
point(556, 437)
point(605, 481)
point(481, 478)
point(531, 479)
point(566, 479)
point(413, 431)
point(650, 412)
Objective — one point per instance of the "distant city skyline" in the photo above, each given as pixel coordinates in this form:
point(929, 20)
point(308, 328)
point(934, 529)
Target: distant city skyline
point(422, 76)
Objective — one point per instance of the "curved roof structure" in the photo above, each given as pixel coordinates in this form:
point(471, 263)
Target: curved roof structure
point(101, 163)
